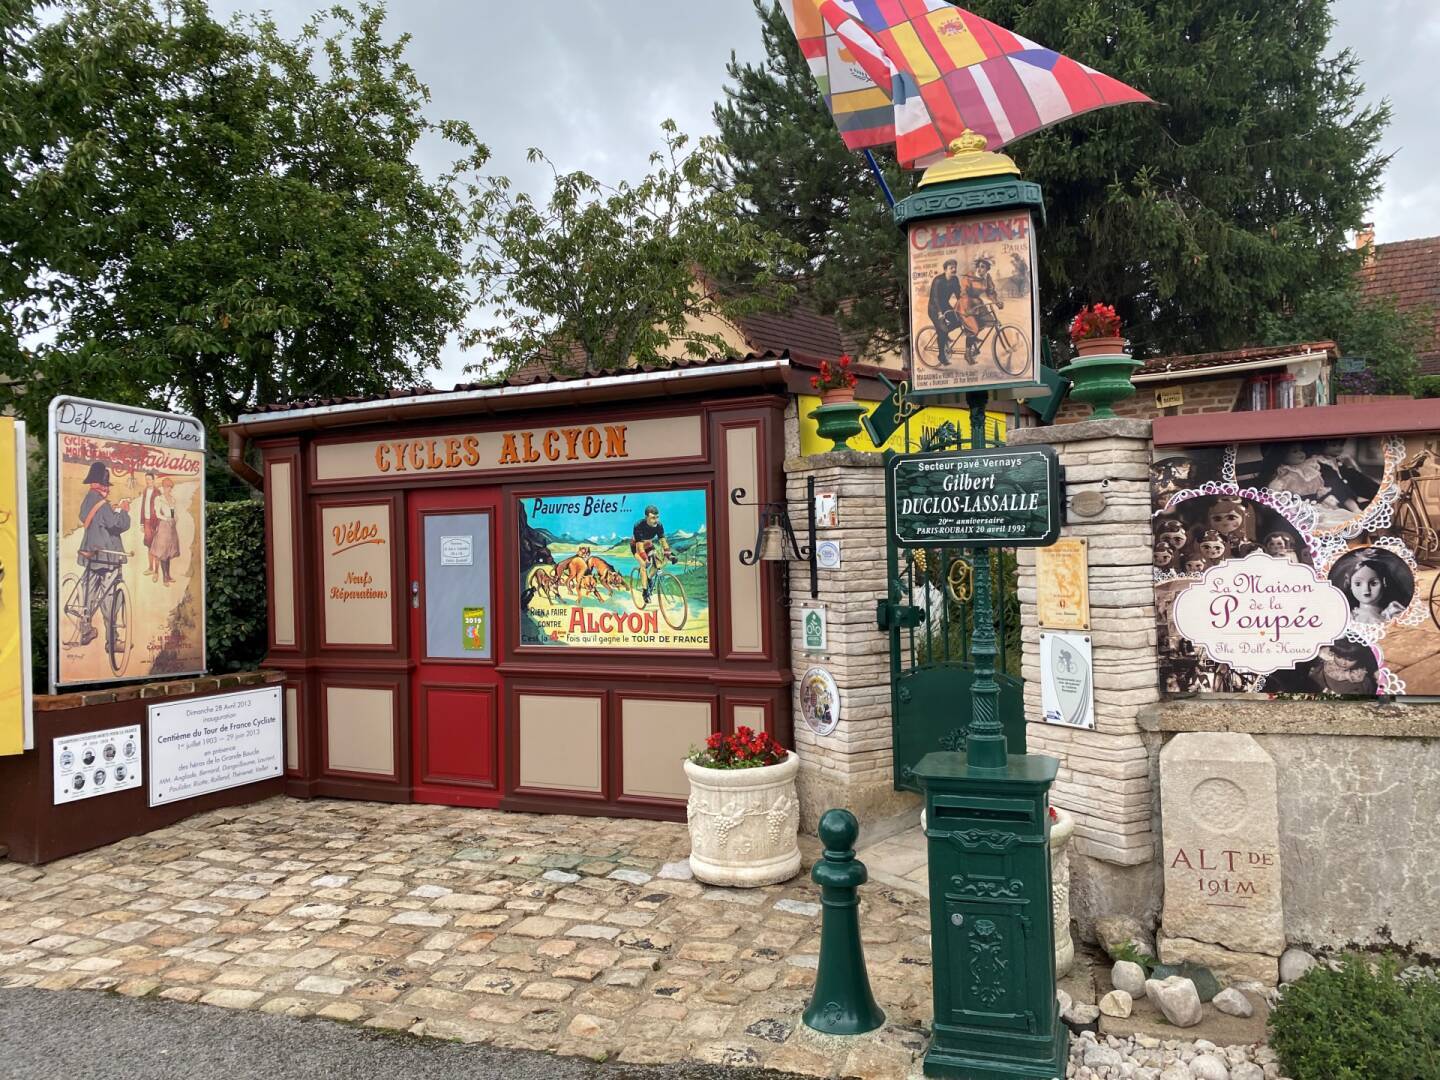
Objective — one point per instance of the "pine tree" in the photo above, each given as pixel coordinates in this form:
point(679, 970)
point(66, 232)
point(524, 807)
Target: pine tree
point(1199, 218)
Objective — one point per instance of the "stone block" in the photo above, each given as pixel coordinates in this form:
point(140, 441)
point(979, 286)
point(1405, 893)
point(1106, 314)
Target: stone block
point(1229, 965)
point(1221, 843)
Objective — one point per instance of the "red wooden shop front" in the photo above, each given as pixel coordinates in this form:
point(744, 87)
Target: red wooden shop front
point(422, 664)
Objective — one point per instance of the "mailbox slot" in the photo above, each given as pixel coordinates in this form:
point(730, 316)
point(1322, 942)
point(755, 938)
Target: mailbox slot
point(1016, 810)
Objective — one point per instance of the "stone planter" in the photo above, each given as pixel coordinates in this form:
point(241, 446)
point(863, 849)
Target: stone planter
point(1061, 830)
point(744, 823)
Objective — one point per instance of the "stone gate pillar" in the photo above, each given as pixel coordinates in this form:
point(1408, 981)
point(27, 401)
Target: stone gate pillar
point(1105, 777)
point(852, 767)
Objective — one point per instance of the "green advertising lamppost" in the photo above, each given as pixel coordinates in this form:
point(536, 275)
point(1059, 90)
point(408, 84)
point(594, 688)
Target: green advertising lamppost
point(974, 326)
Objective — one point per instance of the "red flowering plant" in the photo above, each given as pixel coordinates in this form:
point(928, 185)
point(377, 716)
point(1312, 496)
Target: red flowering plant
point(746, 749)
point(1094, 321)
point(836, 377)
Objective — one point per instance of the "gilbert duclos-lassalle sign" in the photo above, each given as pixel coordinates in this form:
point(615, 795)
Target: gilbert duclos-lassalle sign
point(976, 498)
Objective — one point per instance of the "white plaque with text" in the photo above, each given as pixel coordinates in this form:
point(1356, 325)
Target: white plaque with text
point(213, 743)
point(96, 763)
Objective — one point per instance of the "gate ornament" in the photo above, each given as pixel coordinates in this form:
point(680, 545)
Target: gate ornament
point(959, 581)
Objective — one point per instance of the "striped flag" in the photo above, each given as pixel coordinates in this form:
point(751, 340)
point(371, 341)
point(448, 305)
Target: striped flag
point(942, 70)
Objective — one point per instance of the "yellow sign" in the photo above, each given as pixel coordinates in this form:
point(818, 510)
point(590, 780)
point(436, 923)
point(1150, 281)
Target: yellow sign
point(14, 591)
point(1170, 397)
point(922, 423)
point(1062, 586)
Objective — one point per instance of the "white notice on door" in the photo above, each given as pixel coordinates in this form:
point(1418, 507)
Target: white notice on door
point(213, 743)
point(457, 551)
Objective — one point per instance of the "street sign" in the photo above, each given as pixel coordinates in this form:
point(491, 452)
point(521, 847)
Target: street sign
point(976, 498)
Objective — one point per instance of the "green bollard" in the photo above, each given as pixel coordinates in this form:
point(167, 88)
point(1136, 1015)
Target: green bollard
point(842, 1003)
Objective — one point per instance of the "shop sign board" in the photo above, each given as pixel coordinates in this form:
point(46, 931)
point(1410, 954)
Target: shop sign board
point(974, 319)
point(1299, 566)
point(615, 570)
point(907, 437)
point(96, 763)
point(16, 731)
point(1067, 682)
point(976, 498)
point(214, 743)
point(127, 543)
point(1062, 585)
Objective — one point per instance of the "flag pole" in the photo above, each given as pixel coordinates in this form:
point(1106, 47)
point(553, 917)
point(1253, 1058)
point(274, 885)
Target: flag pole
point(879, 177)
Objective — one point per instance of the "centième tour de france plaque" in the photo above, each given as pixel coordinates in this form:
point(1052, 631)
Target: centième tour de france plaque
point(976, 498)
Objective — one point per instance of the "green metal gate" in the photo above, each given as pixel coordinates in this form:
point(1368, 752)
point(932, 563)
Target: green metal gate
point(931, 621)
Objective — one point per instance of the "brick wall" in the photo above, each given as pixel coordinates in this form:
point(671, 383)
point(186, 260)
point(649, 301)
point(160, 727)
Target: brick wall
point(1206, 395)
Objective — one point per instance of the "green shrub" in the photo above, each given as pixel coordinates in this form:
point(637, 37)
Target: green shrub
point(235, 610)
point(1358, 1023)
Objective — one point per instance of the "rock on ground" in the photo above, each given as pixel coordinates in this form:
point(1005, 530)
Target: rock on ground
point(1128, 976)
point(1294, 963)
point(1117, 1003)
point(1233, 1003)
point(1114, 931)
point(1176, 998)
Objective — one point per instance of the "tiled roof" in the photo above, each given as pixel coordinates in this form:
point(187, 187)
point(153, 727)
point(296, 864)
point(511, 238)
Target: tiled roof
point(1158, 365)
point(1408, 272)
point(524, 377)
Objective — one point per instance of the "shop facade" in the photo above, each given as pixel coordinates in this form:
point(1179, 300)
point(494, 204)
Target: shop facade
point(525, 597)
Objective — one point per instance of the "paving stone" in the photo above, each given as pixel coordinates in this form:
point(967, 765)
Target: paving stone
point(560, 876)
point(603, 933)
point(548, 991)
point(798, 907)
point(631, 877)
point(537, 926)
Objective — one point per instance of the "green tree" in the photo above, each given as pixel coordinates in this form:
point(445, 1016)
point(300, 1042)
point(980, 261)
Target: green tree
point(600, 277)
point(782, 148)
point(1386, 338)
point(213, 217)
point(1229, 201)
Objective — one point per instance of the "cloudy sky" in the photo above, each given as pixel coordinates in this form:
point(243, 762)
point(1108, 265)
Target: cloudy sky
point(589, 81)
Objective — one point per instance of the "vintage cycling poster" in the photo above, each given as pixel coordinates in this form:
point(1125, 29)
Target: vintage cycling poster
point(15, 731)
point(628, 570)
point(974, 320)
point(1303, 567)
point(127, 543)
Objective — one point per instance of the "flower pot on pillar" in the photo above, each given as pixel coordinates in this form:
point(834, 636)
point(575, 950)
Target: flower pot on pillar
point(1062, 828)
point(838, 417)
point(744, 821)
point(1101, 370)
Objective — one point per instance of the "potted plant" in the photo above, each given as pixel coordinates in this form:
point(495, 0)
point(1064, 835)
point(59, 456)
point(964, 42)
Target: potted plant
point(838, 417)
point(1102, 368)
point(743, 813)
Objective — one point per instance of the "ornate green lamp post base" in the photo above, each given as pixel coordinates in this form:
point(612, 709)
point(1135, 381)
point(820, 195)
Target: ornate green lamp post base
point(839, 423)
point(1101, 381)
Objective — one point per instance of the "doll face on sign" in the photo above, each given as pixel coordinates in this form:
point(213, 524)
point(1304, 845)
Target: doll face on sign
point(1295, 454)
point(1194, 565)
point(1226, 519)
point(1172, 532)
point(1213, 549)
point(1279, 545)
point(1164, 556)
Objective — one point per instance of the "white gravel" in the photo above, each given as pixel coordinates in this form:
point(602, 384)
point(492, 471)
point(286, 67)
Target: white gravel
point(1142, 1057)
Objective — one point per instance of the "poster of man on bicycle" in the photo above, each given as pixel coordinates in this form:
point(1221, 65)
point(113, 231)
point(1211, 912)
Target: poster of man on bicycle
point(127, 521)
point(628, 570)
point(973, 315)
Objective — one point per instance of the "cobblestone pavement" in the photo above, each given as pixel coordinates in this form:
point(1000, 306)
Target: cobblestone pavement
point(581, 936)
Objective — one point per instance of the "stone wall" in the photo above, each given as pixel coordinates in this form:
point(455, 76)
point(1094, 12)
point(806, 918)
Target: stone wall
point(1358, 811)
point(853, 766)
point(1105, 777)
point(1205, 395)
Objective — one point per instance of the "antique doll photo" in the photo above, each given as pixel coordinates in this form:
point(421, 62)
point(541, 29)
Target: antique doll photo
point(1377, 584)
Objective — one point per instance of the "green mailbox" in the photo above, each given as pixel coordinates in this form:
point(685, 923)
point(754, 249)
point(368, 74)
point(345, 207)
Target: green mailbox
point(993, 939)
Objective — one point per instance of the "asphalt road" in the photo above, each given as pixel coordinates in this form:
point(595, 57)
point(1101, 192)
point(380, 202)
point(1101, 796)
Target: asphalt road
point(86, 1035)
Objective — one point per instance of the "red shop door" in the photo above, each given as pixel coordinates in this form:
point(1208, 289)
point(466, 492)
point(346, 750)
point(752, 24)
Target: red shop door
point(455, 702)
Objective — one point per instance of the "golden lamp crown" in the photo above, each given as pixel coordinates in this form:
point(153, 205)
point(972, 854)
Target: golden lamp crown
point(966, 159)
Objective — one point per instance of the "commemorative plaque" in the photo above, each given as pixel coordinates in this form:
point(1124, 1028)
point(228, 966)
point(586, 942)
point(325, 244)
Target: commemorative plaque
point(976, 498)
